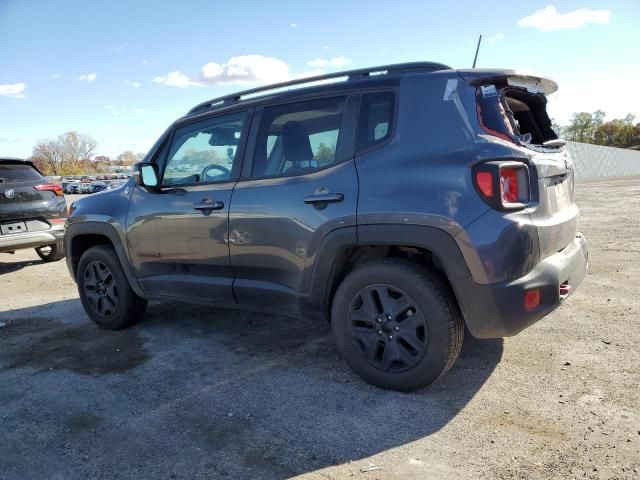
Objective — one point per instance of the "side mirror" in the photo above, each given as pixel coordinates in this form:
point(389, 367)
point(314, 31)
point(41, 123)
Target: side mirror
point(146, 174)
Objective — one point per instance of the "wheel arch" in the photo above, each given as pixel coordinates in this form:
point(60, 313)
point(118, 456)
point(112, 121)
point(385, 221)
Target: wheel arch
point(346, 248)
point(79, 237)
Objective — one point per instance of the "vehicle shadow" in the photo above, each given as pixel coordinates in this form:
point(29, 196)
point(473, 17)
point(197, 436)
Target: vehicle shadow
point(197, 391)
point(10, 267)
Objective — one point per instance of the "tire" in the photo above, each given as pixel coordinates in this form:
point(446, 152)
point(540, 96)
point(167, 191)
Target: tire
point(51, 253)
point(396, 325)
point(104, 290)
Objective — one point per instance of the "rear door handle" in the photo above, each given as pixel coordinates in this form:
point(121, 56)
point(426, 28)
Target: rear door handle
point(209, 204)
point(324, 198)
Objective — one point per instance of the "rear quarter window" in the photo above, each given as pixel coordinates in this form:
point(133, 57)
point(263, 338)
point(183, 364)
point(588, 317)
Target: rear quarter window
point(376, 118)
point(18, 173)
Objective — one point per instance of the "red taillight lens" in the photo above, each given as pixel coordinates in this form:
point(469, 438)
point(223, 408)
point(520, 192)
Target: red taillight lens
point(484, 180)
point(50, 187)
point(503, 184)
point(532, 299)
point(509, 186)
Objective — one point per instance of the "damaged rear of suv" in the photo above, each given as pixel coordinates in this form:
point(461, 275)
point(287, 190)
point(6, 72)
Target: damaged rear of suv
point(539, 257)
point(400, 203)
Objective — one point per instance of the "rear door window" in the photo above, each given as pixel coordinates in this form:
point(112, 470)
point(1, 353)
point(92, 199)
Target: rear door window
point(18, 173)
point(375, 125)
point(299, 138)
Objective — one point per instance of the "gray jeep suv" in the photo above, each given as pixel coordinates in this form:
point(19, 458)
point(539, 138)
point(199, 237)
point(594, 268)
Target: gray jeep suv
point(399, 203)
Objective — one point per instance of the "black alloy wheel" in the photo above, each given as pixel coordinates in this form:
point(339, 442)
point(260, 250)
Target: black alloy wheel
point(388, 327)
point(100, 288)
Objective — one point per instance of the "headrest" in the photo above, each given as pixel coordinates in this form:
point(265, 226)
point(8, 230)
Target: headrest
point(295, 142)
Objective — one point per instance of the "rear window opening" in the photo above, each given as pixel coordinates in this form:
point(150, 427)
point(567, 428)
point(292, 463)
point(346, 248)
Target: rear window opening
point(514, 114)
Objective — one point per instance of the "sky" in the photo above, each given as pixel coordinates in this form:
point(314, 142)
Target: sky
point(122, 71)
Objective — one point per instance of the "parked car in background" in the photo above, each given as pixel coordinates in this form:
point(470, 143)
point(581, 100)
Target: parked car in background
point(400, 204)
point(86, 187)
point(32, 211)
point(72, 188)
point(99, 186)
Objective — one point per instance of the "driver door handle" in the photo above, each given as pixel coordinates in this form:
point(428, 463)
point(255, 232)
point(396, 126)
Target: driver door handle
point(208, 204)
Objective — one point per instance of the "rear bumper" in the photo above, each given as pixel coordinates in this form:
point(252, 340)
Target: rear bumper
point(497, 310)
point(18, 241)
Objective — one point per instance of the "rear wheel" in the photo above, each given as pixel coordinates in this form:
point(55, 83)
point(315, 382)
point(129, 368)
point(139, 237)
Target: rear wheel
point(104, 290)
point(51, 253)
point(396, 325)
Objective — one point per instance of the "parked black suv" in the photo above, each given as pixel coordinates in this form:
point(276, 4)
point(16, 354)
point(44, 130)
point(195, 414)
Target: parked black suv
point(399, 203)
point(32, 211)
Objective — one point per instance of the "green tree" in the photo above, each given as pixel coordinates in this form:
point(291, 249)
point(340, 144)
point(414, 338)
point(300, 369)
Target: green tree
point(324, 154)
point(581, 127)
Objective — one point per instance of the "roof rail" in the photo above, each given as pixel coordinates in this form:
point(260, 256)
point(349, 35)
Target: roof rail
point(361, 72)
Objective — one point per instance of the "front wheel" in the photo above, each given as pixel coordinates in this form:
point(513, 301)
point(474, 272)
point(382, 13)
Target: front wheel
point(104, 290)
point(51, 253)
point(396, 325)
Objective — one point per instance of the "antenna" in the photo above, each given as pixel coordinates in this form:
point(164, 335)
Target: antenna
point(477, 50)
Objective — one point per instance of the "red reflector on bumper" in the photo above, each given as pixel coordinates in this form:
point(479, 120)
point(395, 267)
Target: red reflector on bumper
point(565, 290)
point(532, 299)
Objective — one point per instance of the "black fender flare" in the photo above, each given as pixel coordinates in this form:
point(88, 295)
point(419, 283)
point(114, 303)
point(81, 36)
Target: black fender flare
point(315, 301)
point(108, 231)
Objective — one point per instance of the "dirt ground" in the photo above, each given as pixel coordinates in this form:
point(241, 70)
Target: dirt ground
point(196, 392)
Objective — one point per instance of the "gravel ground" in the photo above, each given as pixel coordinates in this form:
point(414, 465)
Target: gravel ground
point(197, 392)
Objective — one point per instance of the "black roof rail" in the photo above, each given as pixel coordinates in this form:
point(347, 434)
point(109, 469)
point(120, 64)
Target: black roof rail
point(361, 72)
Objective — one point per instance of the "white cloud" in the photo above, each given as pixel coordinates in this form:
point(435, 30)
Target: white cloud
point(57, 75)
point(241, 69)
point(549, 19)
point(293, 25)
point(176, 79)
point(13, 90)
point(245, 69)
point(332, 62)
point(495, 38)
point(10, 140)
point(327, 47)
point(133, 84)
point(88, 77)
point(120, 48)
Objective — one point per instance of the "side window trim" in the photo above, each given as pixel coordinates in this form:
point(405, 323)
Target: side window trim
point(394, 119)
point(346, 146)
point(161, 156)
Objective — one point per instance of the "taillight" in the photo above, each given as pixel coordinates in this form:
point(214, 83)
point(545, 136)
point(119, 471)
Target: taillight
point(50, 187)
point(509, 178)
point(508, 186)
point(484, 180)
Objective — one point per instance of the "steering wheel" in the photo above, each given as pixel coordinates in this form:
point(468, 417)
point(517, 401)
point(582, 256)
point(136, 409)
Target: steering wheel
point(213, 166)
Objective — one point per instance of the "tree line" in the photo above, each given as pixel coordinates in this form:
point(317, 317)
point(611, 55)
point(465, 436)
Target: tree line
point(592, 128)
point(73, 153)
